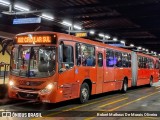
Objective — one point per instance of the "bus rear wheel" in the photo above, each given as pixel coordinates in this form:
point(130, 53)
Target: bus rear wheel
point(84, 93)
point(124, 86)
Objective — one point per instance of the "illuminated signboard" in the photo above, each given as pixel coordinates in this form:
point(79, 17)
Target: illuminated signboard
point(37, 39)
point(27, 20)
point(81, 34)
point(118, 45)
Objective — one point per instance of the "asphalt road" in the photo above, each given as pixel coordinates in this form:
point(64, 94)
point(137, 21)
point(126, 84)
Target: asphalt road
point(138, 103)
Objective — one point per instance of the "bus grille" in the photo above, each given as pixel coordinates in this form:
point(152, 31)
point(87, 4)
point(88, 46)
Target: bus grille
point(30, 83)
point(28, 95)
point(28, 88)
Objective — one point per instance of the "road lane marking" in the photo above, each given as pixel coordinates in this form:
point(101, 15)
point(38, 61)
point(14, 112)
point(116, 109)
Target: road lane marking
point(82, 106)
point(90, 118)
point(104, 105)
point(153, 118)
point(158, 88)
point(15, 104)
point(132, 101)
point(94, 102)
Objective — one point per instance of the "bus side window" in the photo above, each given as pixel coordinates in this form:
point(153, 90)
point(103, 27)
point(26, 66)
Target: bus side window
point(129, 60)
point(109, 58)
point(88, 55)
point(157, 64)
point(145, 62)
point(149, 63)
point(152, 62)
point(124, 60)
point(139, 62)
point(68, 59)
point(78, 54)
point(100, 60)
point(118, 57)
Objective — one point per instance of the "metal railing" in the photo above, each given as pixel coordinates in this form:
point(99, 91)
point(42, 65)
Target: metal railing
point(4, 73)
point(4, 68)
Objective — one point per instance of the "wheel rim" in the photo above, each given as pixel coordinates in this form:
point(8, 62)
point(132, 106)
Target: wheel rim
point(84, 94)
point(125, 87)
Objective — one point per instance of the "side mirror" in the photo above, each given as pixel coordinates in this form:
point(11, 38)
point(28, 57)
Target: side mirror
point(60, 53)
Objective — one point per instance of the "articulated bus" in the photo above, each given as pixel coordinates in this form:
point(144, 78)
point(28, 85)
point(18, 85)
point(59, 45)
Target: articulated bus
point(52, 67)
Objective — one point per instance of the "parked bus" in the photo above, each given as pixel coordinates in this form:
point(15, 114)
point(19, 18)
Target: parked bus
point(53, 67)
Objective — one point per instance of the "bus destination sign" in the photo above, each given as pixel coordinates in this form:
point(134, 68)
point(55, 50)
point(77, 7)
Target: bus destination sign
point(84, 34)
point(37, 39)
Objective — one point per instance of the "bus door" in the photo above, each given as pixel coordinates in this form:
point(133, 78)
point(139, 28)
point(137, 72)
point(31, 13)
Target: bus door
point(100, 70)
point(118, 70)
point(67, 72)
point(109, 83)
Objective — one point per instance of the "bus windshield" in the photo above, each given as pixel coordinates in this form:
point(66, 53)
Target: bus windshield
point(33, 61)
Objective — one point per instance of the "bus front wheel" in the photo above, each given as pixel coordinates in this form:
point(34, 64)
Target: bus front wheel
point(84, 93)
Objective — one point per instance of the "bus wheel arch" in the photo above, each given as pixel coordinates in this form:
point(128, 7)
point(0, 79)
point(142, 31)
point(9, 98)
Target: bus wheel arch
point(85, 91)
point(124, 85)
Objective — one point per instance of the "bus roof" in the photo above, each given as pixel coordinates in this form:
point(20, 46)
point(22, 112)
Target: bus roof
point(87, 41)
point(63, 36)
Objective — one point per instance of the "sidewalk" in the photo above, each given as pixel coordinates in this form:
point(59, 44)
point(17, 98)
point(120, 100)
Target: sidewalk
point(157, 83)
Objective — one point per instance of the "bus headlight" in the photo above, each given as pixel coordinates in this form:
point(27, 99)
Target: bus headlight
point(11, 83)
point(48, 88)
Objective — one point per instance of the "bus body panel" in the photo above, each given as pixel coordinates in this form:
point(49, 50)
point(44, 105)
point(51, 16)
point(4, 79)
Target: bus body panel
point(67, 84)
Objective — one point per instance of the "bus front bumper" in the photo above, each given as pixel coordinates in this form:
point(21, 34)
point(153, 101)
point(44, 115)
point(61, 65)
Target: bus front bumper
point(36, 96)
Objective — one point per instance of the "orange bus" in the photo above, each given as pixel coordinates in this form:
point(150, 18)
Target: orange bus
point(52, 67)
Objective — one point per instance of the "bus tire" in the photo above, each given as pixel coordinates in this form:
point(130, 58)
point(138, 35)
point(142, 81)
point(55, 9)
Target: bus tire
point(151, 82)
point(84, 93)
point(124, 86)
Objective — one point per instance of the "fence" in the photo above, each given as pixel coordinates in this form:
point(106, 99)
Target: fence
point(4, 71)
